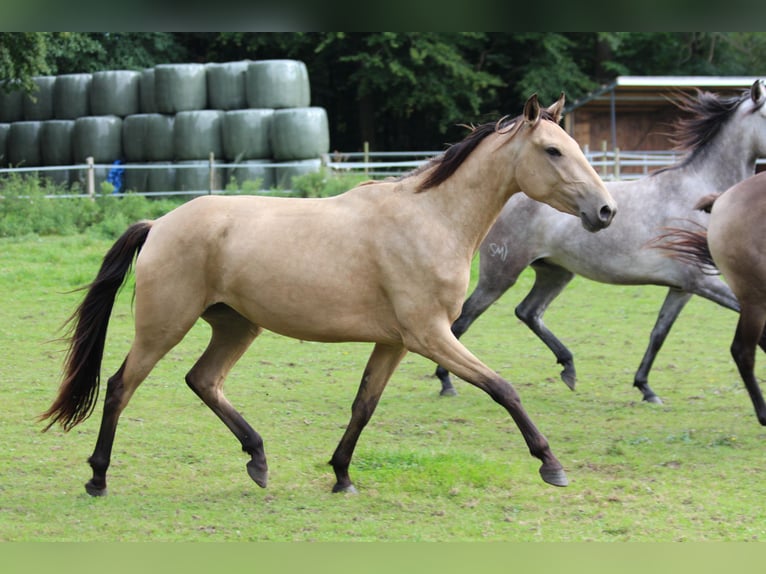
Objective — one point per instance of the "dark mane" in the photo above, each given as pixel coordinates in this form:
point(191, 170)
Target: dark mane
point(444, 165)
point(707, 113)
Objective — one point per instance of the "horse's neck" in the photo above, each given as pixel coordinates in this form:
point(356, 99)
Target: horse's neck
point(471, 199)
point(726, 160)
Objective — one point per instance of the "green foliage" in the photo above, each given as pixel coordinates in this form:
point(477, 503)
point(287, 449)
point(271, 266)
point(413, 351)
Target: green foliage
point(325, 184)
point(27, 208)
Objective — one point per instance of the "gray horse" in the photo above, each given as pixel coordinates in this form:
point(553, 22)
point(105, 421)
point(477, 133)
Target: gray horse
point(723, 137)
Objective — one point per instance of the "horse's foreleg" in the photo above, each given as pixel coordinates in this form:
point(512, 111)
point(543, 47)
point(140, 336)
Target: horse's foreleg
point(672, 306)
point(550, 281)
point(479, 301)
point(232, 335)
point(746, 337)
point(445, 349)
point(380, 367)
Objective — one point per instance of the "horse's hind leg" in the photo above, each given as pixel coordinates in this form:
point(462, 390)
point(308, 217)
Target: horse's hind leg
point(746, 337)
point(380, 367)
point(232, 335)
point(550, 281)
point(120, 388)
point(674, 303)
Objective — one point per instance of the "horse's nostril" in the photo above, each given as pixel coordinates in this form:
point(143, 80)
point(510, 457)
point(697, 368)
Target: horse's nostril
point(606, 213)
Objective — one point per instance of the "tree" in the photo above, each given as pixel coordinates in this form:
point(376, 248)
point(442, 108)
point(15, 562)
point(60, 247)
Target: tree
point(22, 56)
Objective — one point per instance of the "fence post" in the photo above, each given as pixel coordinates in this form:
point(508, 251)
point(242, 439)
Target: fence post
point(211, 180)
point(604, 157)
point(366, 158)
point(617, 164)
point(91, 178)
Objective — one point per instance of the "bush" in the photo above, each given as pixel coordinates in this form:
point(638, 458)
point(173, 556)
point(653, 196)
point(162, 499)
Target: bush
point(27, 208)
point(325, 184)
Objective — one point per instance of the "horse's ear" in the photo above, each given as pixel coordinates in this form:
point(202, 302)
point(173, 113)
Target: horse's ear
point(557, 108)
point(757, 92)
point(532, 109)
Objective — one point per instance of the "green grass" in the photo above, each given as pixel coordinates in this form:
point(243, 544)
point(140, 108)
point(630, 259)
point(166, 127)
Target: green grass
point(427, 468)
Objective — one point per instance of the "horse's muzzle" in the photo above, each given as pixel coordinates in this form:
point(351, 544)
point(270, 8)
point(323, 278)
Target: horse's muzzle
point(601, 219)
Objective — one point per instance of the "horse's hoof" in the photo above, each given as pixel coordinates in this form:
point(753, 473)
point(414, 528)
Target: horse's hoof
point(93, 490)
point(449, 392)
point(654, 399)
point(259, 475)
point(348, 489)
point(569, 377)
point(556, 477)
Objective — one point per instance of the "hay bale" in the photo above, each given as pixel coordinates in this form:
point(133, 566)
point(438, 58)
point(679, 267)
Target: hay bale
point(4, 129)
point(252, 170)
point(146, 92)
point(99, 137)
point(11, 106)
point(24, 144)
point(300, 133)
point(226, 85)
point(134, 179)
point(194, 175)
point(71, 96)
point(134, 131)
point(196, 134)
point(277, 84)
point(161, 177)
point(115, 93)
point(38, 106)
point(56, 142)
point(180, 87)
point(159, 137)
point(246, 134)
point(284, 173)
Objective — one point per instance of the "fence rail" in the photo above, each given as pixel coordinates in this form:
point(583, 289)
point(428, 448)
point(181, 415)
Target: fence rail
point(611, 165)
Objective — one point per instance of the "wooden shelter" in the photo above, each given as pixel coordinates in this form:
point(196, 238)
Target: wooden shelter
point(636, 112)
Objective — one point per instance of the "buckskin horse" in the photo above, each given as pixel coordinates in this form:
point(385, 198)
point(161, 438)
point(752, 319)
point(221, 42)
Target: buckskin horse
point(385, 262)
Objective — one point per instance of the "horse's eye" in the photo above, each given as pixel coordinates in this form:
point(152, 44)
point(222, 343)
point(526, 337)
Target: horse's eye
point(553, 152)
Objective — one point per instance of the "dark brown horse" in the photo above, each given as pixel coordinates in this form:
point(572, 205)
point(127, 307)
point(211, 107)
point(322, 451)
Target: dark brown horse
point(369, 265)
point(735, 244)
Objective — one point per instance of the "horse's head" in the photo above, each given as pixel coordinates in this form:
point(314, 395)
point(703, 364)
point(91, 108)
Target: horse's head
point(553, 169)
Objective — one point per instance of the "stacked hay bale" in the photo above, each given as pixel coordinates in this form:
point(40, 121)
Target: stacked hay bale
point(166, 123)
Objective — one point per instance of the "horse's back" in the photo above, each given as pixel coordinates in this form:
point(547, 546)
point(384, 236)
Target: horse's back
point(737, 237)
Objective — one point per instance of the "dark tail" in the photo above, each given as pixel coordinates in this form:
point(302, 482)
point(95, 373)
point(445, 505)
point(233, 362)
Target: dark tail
point(687, 245)
point(79, 389)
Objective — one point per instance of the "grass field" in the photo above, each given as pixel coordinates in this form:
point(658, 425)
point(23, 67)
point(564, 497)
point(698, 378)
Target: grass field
point(427, 468)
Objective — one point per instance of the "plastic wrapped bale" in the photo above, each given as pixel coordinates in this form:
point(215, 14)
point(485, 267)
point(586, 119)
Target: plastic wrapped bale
point(277, 84)
point(243, 174)
point(194, 176)
point(300, 133)
point(246, 134)
point(197, 133)
point(24, 144)
point(180, 87)
point(99, 137)
point(135, 179)
point(226, 85)
point(284, 173)
point(11, 106)
point(56, 149)
point(146, 92)
point(159, 137)
point(161, 177)
point(38, 105)
point(4, 129)
point(115, 93)
point(134, 134)
point(71, 96)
